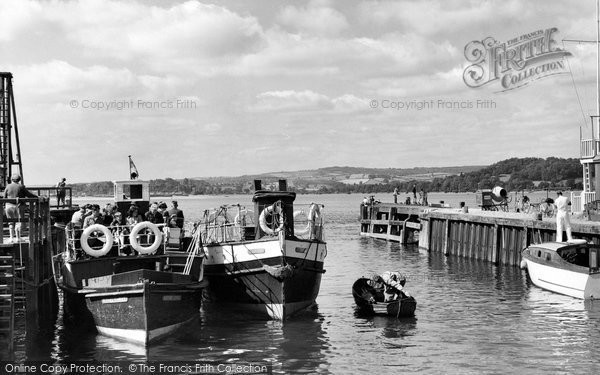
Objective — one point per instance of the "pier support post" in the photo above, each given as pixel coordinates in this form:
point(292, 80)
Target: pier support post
point(496, 240)
point(446, 236)
point(424, 234)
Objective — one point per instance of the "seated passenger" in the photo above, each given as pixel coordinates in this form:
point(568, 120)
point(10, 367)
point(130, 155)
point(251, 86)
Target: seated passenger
point(93, 217)
point(133, 216)
point(153, 215)
point(394, 284)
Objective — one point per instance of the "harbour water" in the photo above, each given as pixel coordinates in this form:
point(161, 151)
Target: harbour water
point(472, 317)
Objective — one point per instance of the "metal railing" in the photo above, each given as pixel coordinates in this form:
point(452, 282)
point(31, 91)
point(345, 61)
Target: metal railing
point(52, 194)
point(580, 199)
point(589, 148)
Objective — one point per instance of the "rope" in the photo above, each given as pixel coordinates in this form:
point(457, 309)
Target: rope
point(575, 88)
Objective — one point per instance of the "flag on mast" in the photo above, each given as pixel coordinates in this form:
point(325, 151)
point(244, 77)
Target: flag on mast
point(133, 172)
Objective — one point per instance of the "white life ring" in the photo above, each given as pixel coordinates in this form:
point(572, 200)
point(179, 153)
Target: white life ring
point(242, 214)
point(305, 230)
point(133, 237)
point(272, 210)
point(314, 213)
point(86, 235)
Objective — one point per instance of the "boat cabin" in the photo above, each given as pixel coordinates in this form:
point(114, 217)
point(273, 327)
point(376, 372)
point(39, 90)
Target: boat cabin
point(578, 254)
point(130, 192)
point(265, 198)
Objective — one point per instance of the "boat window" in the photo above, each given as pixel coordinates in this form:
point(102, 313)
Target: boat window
point(135, 191)
point(539, 253)
point(548, 256)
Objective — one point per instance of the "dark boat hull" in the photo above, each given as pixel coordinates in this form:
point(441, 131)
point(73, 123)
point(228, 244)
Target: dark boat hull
point(144, 312)
point(264, 287)
point(371, 301)
point(140, 305)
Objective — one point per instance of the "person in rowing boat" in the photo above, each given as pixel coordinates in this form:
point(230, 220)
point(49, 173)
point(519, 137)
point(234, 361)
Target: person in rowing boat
point(393, 286)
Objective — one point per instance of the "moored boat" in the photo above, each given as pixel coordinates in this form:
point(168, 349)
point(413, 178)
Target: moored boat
point(570, 268)
point(257, 261)
point(132, 283)
point(369, 298)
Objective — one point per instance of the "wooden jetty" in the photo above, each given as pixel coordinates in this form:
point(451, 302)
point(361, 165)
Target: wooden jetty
point(496, 236)
point(26, 279)
point(391, 221)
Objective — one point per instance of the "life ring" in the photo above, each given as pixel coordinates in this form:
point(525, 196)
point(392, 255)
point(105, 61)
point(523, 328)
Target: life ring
point(306, 229)
point(133, 237)
point(314, 213)
point(242, 214)
point(274, 209)
point(86, 235)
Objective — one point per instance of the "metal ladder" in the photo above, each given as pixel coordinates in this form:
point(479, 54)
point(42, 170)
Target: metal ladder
point(7, 298)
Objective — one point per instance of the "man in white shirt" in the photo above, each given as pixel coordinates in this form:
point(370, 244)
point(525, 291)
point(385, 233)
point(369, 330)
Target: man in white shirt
point(562, 214)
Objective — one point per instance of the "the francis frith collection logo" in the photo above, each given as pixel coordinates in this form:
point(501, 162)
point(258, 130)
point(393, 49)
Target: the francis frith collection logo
point(516, 62)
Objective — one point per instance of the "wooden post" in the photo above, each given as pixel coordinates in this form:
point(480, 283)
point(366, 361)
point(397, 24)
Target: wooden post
point(32, 259)
point(495, 243)
point(424, 234)
point(2, 223)
point(446, 235)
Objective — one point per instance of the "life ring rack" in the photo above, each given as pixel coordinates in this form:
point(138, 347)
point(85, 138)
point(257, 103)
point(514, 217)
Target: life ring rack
point(134, 241)
point(85, 236)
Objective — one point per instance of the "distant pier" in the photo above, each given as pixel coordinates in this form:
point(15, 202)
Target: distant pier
point(493, 236)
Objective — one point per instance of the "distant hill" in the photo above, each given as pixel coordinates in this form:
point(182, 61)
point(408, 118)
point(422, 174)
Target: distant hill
point(512, 174)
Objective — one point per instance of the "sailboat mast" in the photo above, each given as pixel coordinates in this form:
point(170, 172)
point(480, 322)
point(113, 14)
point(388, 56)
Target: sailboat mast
point(598, 61)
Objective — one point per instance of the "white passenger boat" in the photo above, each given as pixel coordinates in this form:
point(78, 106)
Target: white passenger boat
point(570, 268)
point(259, 263)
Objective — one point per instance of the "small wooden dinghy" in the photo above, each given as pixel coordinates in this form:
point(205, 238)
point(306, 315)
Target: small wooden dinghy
point(370, 299)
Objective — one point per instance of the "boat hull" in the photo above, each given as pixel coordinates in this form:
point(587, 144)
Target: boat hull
point(549, 271)
point(255, 277)
point(370, 301)
point(143, 313)
point(568, 282)
point(139, 305)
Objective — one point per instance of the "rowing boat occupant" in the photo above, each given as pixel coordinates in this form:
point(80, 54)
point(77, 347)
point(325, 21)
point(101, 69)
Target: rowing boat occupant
point(394, 285)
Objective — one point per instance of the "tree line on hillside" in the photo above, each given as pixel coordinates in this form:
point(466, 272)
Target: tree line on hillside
point(513, 174)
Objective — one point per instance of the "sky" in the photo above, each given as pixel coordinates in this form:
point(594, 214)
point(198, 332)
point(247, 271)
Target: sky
point(228, 88)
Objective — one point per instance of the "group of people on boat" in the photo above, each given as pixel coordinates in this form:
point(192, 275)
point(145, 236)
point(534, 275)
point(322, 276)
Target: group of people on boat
point(121, 226)
point(110, 215)
point(392, 284)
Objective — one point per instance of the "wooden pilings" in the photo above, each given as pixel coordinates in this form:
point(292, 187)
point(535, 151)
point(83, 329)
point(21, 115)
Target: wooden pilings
point(495, 237)
point(392, 222)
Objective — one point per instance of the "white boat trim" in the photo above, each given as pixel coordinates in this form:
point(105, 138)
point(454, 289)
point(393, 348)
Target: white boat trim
point(139, 335)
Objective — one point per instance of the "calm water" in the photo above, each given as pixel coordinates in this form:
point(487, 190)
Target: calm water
point(472, 317)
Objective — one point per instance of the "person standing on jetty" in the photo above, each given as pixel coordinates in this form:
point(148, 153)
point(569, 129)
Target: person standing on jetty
point(414, 190)
point(61, 192)
point(395, 195)
point(16, 210)
point(562, 214)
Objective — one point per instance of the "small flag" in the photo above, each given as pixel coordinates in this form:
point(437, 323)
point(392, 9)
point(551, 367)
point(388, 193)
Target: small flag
point(133, 172)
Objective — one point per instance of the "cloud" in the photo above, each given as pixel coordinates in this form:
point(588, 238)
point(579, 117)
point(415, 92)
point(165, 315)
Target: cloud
point(317, 18)
point(307, 100)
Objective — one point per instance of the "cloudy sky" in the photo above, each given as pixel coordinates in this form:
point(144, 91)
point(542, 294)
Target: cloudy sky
point(225, 88)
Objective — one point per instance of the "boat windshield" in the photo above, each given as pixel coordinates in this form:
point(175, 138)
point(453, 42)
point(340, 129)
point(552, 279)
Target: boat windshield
point(577, 255)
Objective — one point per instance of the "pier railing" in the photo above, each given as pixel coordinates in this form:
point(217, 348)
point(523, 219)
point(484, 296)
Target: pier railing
point(580, 199)
point(51, 193)
point(589, 148)
point(35, 231)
